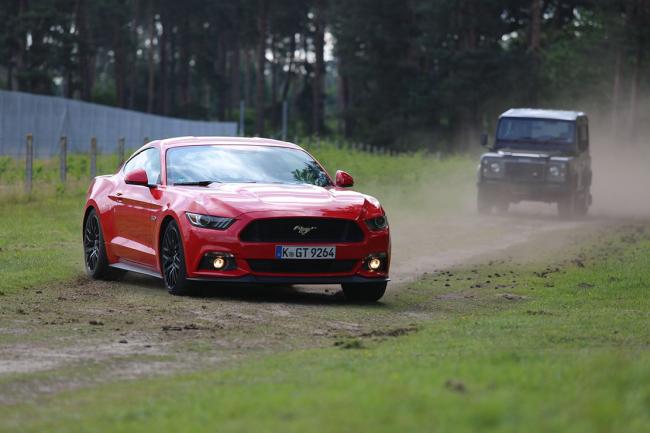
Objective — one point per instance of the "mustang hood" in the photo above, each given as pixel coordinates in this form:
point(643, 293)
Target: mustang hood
point(300, 200)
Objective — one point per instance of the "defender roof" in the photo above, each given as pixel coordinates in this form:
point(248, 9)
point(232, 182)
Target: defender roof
point(537, 113)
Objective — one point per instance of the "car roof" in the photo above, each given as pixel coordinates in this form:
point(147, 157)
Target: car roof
point(168, 143)
point(537, 113)
point(248, 141)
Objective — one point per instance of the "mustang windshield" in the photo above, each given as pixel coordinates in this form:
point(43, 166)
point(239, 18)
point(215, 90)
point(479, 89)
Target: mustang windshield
point(202, 165)
point(535, 131)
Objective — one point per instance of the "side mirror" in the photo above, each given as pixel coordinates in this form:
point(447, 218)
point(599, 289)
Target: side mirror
point(484, 139)
point(137, 177)
point(343, 179)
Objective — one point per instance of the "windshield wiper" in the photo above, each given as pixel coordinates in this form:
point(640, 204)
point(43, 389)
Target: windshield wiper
point(196, 183)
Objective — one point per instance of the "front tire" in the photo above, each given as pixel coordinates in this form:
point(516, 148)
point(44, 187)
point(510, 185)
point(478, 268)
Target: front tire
point(364, 292)
point(172, 261)
point(95, 258)
point(581, 206)
point(574, 205)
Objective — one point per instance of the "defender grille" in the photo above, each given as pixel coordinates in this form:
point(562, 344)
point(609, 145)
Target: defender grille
point(302, 266)
point(289, 229)
point(532, 172)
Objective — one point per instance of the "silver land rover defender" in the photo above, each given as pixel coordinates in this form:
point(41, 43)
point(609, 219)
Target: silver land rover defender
point(537, 155)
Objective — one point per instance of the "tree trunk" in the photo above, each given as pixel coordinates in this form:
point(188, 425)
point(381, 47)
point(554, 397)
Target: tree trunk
point(151, 81)
point(172, 97)
point(85, 47)
point(534, 44)
point(248, 78)
point(274, 85)
point(120, 63)
point(344, 99)
point(222, 77)
point(235, 65)
point(163, 44)
point(535, 26)
point(262, 29)
point(287, 81)
point(133, 68)
point(18, 55)
point(639, 22)
point(318, 121)
point(184, 67)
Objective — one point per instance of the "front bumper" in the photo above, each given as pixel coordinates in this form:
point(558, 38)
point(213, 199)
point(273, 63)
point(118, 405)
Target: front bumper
point(519, 191)
point(198, 242)
point(257, 279)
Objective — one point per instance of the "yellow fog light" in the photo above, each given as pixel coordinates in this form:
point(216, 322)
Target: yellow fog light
point(219, 263)
point(374, 264)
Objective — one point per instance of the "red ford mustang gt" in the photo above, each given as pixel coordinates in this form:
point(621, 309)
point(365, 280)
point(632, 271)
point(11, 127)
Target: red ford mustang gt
point(235, 210)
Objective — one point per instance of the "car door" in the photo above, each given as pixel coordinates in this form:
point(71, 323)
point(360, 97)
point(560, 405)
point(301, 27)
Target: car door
point(136, 211)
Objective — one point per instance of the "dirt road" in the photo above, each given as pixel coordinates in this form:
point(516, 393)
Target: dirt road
point(83, 332)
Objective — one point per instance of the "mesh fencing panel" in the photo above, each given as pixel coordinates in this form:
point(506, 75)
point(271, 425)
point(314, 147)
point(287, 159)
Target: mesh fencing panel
point(48, 118)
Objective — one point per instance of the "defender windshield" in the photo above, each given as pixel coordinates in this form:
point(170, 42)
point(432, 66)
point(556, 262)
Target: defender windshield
point(536, 131)
point(202, 165)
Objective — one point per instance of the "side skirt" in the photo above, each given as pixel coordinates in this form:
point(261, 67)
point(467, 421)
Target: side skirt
point(132, 267)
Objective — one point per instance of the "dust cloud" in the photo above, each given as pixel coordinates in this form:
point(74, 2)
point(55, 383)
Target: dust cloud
point(442, 228)
point(621, 178)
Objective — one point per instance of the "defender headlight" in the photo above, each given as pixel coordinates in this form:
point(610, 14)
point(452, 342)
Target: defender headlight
point(378, 223)
point(557, 172)
point(492, 168)
point(209, 222)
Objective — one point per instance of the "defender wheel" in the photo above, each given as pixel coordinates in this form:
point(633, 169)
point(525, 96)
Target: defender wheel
point(95, 258)
point(581, 205)
point(566, 207)
point(172, 260)
point(364, 292)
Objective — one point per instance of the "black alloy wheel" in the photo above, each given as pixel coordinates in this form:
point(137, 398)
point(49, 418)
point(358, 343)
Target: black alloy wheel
point(173, 261)
point(95, 257)
point(91, 243)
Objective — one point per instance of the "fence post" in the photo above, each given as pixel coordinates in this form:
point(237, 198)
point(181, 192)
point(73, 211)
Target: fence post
point(146, 140)
point(63, 158)
point(29, 162)
point(120, 151)
point(285, 119)
point(242, 107)
point(93, 157)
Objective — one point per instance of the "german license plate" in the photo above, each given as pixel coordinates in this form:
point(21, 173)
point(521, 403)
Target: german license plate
point(309, 253)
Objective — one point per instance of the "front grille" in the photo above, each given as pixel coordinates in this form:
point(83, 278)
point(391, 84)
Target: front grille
point(532, 172)
point(302, 266)
point(314, 230)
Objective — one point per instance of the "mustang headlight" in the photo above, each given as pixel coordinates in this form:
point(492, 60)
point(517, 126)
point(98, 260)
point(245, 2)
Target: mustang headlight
point(557, 172)
point(209, 222)
point(378, 223)
point(492, 168)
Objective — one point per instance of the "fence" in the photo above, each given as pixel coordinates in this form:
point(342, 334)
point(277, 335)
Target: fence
point(49, 118)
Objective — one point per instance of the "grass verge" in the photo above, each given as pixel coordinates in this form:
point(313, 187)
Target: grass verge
point(557, 348)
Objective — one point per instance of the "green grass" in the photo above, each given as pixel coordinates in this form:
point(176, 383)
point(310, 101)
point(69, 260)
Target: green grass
point(40, 239)
point(567, 353)
point(40, 233)
point(46, 171)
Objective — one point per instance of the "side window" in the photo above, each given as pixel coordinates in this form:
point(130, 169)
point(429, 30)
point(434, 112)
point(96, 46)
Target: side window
point(149, 161)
